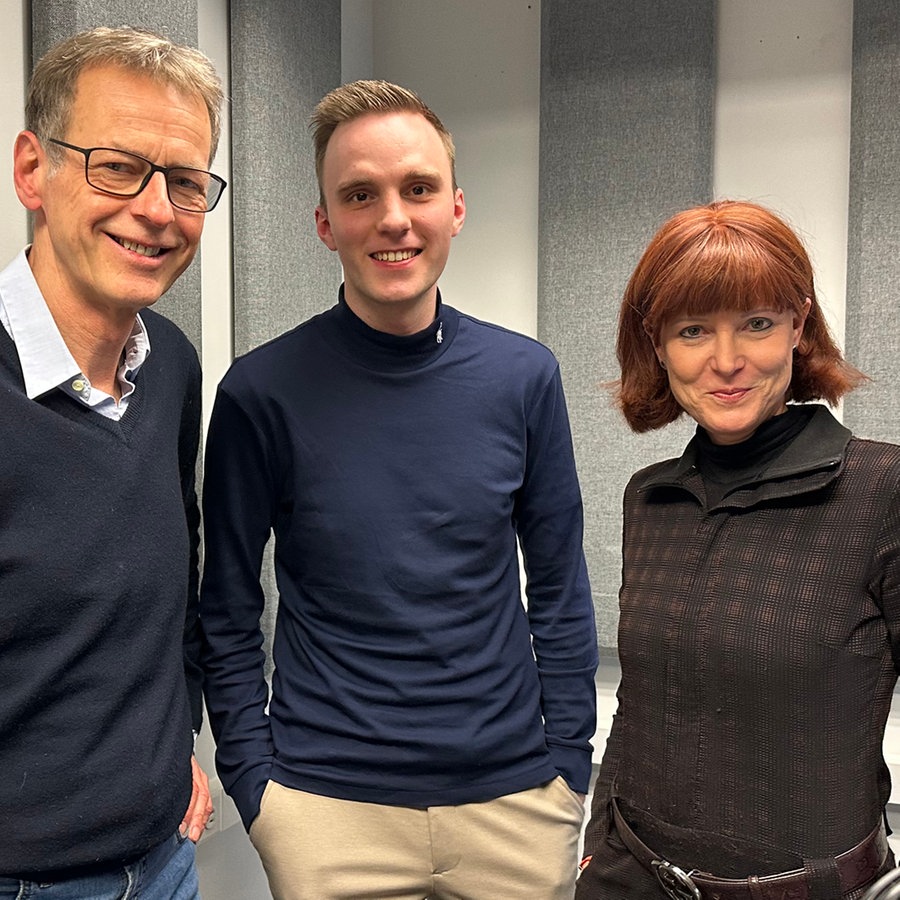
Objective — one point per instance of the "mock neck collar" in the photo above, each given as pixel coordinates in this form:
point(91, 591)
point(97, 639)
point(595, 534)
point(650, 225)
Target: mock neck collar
point(724, 461)
point(378, 349)
point(818, 450)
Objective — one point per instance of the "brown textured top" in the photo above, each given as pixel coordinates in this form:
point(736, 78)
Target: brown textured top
point(757, 643)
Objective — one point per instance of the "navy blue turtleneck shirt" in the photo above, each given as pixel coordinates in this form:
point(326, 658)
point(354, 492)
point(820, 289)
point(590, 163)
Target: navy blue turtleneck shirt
point(397, 474)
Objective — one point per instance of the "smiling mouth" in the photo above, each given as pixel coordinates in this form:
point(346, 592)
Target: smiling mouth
point(141, 249)
point(730, 393)
point(395, 255)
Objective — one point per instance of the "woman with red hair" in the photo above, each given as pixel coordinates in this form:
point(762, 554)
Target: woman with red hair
point(759, 630)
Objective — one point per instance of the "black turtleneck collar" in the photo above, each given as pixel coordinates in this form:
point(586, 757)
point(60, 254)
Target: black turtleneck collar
point(766, 442)
point(724, 466)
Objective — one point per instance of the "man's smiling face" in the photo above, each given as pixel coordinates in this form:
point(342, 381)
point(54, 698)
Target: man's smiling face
point(117, 254)
point(390, 212)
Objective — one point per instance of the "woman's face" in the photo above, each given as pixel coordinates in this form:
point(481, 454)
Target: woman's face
point(730, 371)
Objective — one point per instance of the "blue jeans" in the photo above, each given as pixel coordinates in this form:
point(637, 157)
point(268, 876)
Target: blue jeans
point(167, 872)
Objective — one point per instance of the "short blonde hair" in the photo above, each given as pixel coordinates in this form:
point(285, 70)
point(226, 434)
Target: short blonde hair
point(358, 98)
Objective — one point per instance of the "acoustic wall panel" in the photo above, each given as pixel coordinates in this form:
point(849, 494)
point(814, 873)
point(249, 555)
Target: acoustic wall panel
point(53, 20)
point(627, 99)
point(873, 251)
point(285, 54)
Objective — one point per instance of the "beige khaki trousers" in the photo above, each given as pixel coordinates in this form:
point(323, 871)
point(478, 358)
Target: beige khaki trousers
point(523, 846)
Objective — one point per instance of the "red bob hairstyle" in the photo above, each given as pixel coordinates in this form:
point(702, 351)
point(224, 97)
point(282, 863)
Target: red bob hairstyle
point(726, 256)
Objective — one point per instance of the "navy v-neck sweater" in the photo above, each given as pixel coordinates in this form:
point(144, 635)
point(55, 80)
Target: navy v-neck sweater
point(397, 474)
point(98, 526)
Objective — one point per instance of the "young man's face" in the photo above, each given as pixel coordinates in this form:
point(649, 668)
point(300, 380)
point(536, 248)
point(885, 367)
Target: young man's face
point(116, 254)
point(390, 211)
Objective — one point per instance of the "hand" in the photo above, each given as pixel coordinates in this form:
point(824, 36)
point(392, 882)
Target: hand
point(200, 808)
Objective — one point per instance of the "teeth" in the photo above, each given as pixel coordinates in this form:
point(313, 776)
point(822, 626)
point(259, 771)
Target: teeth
point(394, 255)
point(143, 249)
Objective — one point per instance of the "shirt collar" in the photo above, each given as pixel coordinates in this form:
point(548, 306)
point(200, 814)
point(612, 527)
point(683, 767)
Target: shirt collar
point(43, 355)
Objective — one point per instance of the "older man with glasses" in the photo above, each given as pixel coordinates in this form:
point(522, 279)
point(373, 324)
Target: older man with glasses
point(100, 796)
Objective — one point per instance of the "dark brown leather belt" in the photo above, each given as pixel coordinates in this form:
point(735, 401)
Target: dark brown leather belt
point(856, 868)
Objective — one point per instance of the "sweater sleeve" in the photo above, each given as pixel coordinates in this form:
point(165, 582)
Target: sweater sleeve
point(549, 522)
point(237, 510)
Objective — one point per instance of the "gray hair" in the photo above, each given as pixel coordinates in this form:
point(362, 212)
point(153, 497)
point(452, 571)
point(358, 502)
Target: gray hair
point(51, 91)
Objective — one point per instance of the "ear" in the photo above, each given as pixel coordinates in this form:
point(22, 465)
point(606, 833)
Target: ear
point(30, 167)
point(323, 228)
point(800, 321)
point(459, 212)
point(657, 348)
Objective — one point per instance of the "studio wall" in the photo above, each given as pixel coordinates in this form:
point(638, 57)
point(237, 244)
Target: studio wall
point(626, 125)
point(285, 54)
point(873, 261)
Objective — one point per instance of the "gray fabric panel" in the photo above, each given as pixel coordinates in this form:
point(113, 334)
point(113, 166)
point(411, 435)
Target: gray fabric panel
point(53, 20)
point(873, 252)
point(627, 99)
point(285, 55)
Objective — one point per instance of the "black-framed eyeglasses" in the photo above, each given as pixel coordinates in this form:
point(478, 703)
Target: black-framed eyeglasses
point(127, 174)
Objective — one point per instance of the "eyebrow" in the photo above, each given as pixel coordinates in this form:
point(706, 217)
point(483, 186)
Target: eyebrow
point(356, 184)
point(197, 166)
point(361, 182)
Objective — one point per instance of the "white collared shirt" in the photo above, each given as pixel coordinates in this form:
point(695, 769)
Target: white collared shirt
point(47, 364)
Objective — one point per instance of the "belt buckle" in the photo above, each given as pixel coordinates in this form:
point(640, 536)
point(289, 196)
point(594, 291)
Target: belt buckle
point(675, 881)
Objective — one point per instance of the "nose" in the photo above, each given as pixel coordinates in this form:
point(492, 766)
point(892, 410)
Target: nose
point(394, 216)
point(726, 357)
point(153, 202)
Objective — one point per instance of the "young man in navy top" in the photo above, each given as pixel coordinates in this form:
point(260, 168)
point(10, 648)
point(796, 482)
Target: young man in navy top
point(427, 733)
